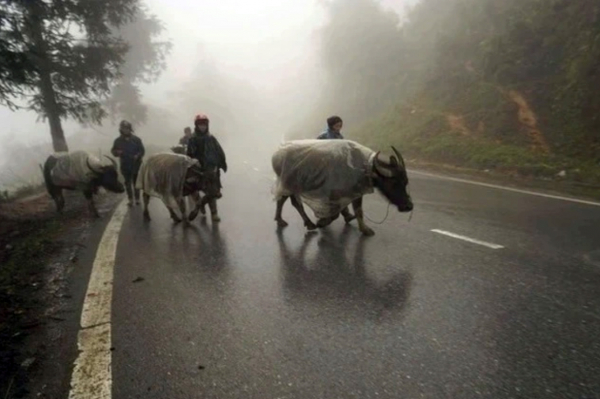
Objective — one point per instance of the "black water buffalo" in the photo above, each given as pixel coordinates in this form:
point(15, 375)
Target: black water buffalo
point(172, 177)
point(328, 175)
point(179, 149)
point(81, 171)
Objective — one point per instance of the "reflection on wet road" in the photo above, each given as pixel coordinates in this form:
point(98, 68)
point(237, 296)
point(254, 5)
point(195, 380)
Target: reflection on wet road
point(244, 310)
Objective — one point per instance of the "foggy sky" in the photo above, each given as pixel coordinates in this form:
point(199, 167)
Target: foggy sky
point(270, 43)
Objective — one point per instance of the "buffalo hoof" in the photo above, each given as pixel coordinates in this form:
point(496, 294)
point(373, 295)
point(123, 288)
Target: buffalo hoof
point(281, 223)
point(321, 223)
point(147, 216)
point(349, 218)
point(216, 218)
point(193, 215)
point(367, 231)
point(310, 225)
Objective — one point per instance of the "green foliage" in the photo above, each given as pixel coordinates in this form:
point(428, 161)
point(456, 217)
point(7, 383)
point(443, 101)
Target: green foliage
point(21, 192)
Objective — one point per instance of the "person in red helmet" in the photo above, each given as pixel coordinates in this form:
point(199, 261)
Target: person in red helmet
point(205, 147)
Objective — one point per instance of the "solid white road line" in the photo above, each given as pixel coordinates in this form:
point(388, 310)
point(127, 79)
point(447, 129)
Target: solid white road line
point(471, 240)
point(515, 190)
point(92, 369)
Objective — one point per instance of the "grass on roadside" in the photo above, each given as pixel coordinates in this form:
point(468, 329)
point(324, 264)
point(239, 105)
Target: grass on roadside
point(7, 196)
point(24, 246)
point(427, 137)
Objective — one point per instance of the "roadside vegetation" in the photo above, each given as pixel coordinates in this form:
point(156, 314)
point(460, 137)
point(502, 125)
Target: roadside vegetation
point(506, 86)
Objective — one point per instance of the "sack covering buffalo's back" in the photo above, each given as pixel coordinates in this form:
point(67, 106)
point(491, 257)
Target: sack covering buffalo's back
point(72, 170)
point(163, 176)
point(327, 175)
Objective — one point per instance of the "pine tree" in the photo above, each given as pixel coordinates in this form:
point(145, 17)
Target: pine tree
point(144, 63)
point(60, 57)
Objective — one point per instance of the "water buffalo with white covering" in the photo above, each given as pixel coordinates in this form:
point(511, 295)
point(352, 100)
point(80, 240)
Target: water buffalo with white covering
point(172, 177)
point(81, 171)
point(329, 175)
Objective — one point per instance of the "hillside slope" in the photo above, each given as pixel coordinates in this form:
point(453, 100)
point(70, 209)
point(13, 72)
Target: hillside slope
point(511, 85)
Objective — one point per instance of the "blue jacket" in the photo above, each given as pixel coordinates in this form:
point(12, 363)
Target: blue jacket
point(330, 135)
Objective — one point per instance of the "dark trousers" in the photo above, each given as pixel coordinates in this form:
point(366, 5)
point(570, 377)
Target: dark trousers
point(130, 179)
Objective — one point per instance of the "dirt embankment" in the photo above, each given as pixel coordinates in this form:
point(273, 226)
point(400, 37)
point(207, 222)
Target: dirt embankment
point(38, 250)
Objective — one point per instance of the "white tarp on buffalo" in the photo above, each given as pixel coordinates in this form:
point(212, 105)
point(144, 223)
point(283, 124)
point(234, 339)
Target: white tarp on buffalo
point(72, 169)
point(163, 176)
point(327, 175)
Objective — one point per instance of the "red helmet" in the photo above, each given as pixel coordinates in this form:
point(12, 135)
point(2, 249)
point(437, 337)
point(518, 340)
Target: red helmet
point(200, 117)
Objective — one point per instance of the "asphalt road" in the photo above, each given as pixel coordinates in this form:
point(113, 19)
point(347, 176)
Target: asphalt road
point(242, 310)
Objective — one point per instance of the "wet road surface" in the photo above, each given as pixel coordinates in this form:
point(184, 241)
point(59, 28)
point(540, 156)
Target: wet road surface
point(242, 310)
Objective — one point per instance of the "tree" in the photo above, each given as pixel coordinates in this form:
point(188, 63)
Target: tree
point(144, 62)
point(61, 57)
point(218, 94)
point(360, 51)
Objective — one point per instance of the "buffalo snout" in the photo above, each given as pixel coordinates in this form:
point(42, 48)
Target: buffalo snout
point(116, 187)
point(407, 207)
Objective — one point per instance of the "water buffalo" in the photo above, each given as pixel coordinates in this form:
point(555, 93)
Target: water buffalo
point(328, 175)
point(179, 149)
point(81, 171)
point(172, 177)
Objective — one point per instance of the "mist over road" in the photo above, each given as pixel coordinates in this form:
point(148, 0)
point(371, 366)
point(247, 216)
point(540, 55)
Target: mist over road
point(500, 301)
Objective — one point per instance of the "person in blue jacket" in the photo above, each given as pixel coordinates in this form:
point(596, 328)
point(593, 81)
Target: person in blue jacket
point(333, 132)
point(334, 127)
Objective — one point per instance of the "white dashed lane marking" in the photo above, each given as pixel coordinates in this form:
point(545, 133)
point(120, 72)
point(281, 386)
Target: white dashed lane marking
point(468, 239)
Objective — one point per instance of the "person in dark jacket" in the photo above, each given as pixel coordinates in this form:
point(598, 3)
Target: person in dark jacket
point(205, 147)
point(334, 127)
point(130, 150)
point(187, 134)
point(333, 132)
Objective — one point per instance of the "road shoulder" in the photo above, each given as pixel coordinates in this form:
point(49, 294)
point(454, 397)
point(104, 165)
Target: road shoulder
point(46, 262)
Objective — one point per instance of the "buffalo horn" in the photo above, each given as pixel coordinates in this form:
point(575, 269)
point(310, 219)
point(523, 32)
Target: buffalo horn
point(400, 159)
point(382, 168)
point(87, 161)
point(112, 161)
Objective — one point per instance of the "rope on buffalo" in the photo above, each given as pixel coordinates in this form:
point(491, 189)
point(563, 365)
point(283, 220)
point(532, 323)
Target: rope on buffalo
point(387, 212)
